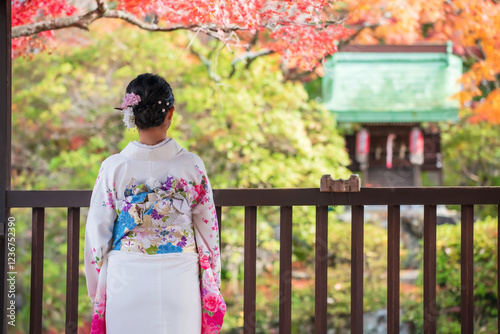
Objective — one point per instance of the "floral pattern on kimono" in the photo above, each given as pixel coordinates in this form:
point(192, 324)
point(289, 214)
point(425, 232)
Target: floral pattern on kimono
point(159, 210)
point(98, 325)
point(172, 216)
point(97, 237)
point(213, 305)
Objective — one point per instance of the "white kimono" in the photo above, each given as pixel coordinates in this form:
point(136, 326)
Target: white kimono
point(152, 257)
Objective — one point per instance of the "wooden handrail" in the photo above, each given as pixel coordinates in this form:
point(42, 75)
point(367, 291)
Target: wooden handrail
point(286, 197)
point(251, 199)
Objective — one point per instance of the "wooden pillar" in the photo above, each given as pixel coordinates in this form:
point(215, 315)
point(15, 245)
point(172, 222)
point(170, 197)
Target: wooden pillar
point(417, 175)
point(5, 145)
point(364, 174)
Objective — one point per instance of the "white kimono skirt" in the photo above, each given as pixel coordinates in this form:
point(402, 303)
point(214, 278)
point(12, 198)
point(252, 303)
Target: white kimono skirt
point(152, 258)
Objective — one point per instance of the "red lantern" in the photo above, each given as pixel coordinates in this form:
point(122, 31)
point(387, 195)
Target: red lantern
point(416, 146)
point(362, 146)
point(390, 142)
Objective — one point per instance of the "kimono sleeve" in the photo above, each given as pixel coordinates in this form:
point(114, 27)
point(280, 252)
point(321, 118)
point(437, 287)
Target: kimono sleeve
point(99, 227)
point(206, 227)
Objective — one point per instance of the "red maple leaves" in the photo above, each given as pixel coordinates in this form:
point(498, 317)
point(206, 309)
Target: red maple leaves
point(300, 30)
point(25, 12)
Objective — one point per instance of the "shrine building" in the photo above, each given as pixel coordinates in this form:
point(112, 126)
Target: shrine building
point(389, 99)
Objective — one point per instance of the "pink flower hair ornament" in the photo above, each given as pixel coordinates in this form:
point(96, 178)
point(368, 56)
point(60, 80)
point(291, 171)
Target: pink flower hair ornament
point(129, 100)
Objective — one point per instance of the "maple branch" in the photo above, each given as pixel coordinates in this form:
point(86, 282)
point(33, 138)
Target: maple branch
point(81, 22)
point(248, 57)
point(101, 6)
point(102, 11)
point(254, 40)
point(119, 14)
point(205, 61)
point(356, 34)
point(298, 76)
point(470, 175)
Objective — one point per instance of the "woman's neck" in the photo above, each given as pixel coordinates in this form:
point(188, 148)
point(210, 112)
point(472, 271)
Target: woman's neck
point(152, 136)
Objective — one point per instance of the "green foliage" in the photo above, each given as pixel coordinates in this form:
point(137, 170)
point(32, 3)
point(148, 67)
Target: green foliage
point(54, 272)
point(471, 154)
point(302, 276)
point(449, 287)
point(251, 130)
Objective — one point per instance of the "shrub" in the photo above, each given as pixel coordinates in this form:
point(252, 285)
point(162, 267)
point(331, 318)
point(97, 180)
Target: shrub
point(449, 284)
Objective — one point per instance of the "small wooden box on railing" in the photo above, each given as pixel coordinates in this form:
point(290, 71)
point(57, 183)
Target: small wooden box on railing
point(352, 184)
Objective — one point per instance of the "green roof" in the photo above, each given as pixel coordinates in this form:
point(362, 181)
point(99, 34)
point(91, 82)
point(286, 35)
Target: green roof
point(392, 87)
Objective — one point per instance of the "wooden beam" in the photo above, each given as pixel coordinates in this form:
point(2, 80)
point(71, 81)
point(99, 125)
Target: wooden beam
point(437, 48)
point(285, 197)
point(5, 145)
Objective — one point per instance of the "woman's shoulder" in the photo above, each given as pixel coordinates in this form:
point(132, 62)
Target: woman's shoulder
point(197, 163)
point(189, 156)
point(112, 161)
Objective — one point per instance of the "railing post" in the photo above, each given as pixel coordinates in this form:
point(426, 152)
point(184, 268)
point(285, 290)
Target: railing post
point(285, 299)
point(357, 261)
point(72, 260)
point(5, 147)
point(321, 271)
point(393, 241)
point(467, 270)
point(250, 261)
point(430, 309)
point(37, 250)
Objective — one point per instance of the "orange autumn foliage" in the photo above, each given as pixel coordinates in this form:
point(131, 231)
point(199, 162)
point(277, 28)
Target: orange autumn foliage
point(472, 26)
point(299, 31)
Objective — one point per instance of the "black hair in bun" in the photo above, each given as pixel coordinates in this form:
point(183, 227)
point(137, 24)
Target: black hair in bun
point(156, 99)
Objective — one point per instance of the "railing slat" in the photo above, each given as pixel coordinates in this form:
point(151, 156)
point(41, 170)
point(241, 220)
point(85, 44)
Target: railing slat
point(73, 246)
point(357, 260)
point(250, 261)
point(218, 210)
point(430, 311)
point(393, 244)
point(321, 268)
point(285, 308)
point(37, 244)
point(467, 273)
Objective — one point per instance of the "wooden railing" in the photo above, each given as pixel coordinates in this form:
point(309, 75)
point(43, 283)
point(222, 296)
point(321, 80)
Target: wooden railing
point(251, 199)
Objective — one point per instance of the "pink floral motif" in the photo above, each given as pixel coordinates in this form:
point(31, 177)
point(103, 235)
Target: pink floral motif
point(212, 324)
point(110, 202)
point(100, 172)
point(209, 282)
point(217, 318)
point(98, 325)
point(211, 302)
point(204, 261)
point(130, 99)
point(223, 308)
point(200, 192)
point(98, 320)
point(181, 184)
